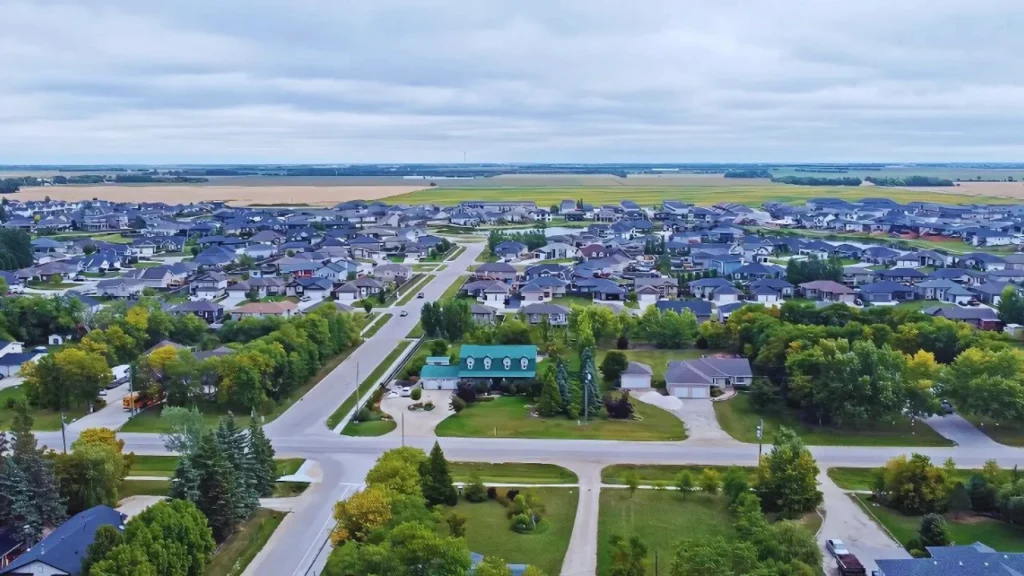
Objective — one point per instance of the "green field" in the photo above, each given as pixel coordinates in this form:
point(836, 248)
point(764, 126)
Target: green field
point(413, 290)
point(488, 532)
point(166, 465)
point(753, 195)
point(377, 325)
point(739, 419)
point(512, 472)
point(650, 474)
point(365, 385)
point(864, 478)
point(235, 554)
point(369, 429)
point(919, 304)
point(416, 332)
point(508, 417)
point(453, 290)
point(42, 420)
point(968, 529)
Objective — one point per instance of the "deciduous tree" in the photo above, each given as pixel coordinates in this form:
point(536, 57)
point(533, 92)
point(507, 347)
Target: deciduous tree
point(787, 479)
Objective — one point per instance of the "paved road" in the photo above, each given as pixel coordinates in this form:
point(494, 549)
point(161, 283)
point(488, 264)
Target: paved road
point(959, 430)
point(846, 521)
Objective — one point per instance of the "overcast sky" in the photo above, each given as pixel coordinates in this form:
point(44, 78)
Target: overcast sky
point(308, 81)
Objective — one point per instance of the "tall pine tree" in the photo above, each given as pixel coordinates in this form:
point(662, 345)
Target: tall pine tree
point(185, 484)
point(261, 458)
point(550, 403)
point(42, 505)
point(236, 450)
point(562, 379)
point(588, 382)
point(436, 479)
point(217, 496)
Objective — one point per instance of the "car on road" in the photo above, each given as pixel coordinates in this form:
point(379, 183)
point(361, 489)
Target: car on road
point(404, 313)
point(946, 407)
point(305, 298)
point(836, 547)
point(420, 295)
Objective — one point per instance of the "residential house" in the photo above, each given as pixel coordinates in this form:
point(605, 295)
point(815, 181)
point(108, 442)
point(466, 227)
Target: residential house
point(209, 286)
point(969, 560)
point(991, 292)
point(556, 251)
point(120, 288)
point(396, 273)
point(978, 316)
point(907, 275)
point(209, 311)
point(542, 289)
point(934, 289)
point(695, 378)
point(557, 315)
point(482, 314)
point(757, 271)
point(358, 289)
point(982, 261)
point(337, 271)
point(496, 271)
point(663, 287)
point(828, 290)
point(886, 291)
point(283, 309)
point(601, 289)
point(159, 277)
point(636, 376)
point(782, 287)
point(699, 308)
point(510, 249)
point(705, 287)
point(857, 275)
point(495, 294)
point(62, 551)
point(314, 287)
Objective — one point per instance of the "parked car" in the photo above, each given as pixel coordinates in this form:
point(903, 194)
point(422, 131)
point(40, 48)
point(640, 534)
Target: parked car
point(405, 392)
point(946, 406)
point(305, 298)
point(404, 313)
point(836, 547)
point(420, 295)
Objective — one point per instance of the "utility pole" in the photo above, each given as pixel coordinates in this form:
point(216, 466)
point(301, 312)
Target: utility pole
point(63, 437)
point(403, 429)
point(760, 436)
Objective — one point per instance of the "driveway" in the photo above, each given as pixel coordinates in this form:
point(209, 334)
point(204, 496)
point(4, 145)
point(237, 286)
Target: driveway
point(112, 416)
point(959, 430)
point(419, 422)
point(314, 299)
point(11, 382)
point(698, 416)
point(847, 521)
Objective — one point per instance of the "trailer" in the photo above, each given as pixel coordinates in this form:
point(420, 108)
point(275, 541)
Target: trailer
point(849, 565)
point(141, 400)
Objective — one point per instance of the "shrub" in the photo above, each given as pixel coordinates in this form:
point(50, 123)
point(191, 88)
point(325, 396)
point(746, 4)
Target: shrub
point(458, 404)
point(618, 406)
point(99, 403)
point(456, 525)
point(492, 493)
point(658, 383)
point(428, 406)
point(521, 523)
point(467, 392)
point(622, 343)
point(511, 494)
point(933, 531)
point(363, 415)
point(716, 392)
point(417, 393)
point(475, 490)
point(11, 403)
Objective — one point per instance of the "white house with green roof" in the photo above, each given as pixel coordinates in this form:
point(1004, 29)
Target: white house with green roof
point(478, 361)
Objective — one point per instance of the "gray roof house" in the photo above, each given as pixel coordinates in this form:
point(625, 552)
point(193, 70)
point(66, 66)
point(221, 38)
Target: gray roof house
point(694, 378)
point(556, 314)
point(972, 560)
point(636, 376)
point(62, 551)
point(700, 308)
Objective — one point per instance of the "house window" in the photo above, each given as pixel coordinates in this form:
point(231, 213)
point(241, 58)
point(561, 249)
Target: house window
point(469, 363)
point(523, 363)
point(487, 363)
point(507, 363)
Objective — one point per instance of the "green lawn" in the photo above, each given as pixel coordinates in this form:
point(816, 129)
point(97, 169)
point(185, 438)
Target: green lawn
point(39, 285)
point(112, 238)
point(413, 290)
point(365, 385)
point(739, 419)
point(513, 473)
point(486, 256)
point(660, 518)
point(166, 465)
point(1009, 433)
point(235, 554)
point(458, 252)
point(649, 474)
point(43, 420)
point(368, 429)
point(864, 478)
point(453, 290)
point(919, 304)
point(377, 325)
point(967, 530)
point(508, 417)
point(704, 195)
point(416, 332)
point(570, 300)
point(488, 532)
point(424, 267)
point(656, 359)
point(399, 258)
point(150, 421)
point(147, 264)
point(144, 488)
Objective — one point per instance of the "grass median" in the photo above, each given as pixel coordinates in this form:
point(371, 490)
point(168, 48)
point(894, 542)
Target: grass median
point(366, 384)
point(453, 290)
point(377, 325)
point(411, 292)
point(235, 554)
point(512, 472)
point(664, 474)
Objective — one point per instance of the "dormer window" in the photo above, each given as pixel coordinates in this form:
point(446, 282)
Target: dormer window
point(507, 362)
point(469, 363)
point(487, 363)
point(524, 363)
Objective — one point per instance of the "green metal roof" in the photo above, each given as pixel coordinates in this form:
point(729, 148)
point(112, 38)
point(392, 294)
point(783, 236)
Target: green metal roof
point(433, 371)
point(498, 351)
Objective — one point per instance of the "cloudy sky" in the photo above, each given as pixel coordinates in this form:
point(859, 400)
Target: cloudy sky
point(514, 81)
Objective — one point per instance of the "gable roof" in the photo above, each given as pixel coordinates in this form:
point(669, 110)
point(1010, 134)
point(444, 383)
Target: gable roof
point(66, 546)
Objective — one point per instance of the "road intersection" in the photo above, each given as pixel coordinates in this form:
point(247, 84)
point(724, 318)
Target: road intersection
point(297, 546)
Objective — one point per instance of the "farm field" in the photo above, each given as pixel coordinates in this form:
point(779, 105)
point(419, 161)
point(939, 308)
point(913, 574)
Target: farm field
point(237, 195)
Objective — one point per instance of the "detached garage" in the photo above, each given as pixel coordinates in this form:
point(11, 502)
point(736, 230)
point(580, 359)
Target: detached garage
point(437, 376)
point(694, 378)
point(637, 376)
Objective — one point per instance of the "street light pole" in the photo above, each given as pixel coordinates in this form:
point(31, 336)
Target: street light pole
point(760, 435)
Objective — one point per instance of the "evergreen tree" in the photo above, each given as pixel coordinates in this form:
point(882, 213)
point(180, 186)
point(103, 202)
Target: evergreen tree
point(562, 380)
point(236, 451)
point(550, 403)
point(588, 380)
point(217, 499)
point(436, 479)
point(261, 457)
point(15, 505)
point(185, 484)
point(42, 505)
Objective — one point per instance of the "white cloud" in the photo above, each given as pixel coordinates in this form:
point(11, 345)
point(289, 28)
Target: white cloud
point(533, 80)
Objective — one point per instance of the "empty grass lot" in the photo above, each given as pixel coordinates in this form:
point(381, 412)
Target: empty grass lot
point(166, 465)
point(369, 429)
point(704, 195)
point(488, 532)
point(650, 474)
point(864, 478)
point(42, 420)
point(235, 554)
point(364, 386)
point(968, 529)
point(512, 472)
point(150, 421)
point(509, 417)
point(739, 419)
